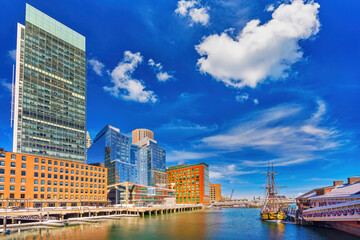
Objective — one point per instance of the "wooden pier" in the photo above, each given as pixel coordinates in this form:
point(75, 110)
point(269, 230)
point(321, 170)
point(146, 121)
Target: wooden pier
point(59, 217)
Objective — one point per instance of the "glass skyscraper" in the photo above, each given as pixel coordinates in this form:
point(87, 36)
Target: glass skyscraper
point(142, 163)
point(49, 105)
point(113, 148)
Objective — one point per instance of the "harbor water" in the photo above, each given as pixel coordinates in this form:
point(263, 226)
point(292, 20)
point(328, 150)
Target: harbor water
point(240, 223)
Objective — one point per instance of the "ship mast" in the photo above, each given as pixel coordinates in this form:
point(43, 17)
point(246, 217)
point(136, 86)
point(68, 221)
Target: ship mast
point(272, 201)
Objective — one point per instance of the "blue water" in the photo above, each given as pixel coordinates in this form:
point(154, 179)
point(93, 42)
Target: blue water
point(203, 224)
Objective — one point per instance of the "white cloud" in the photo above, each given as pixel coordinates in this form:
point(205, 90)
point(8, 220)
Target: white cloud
point(125, 86)
point(270, 8)
point(6, 85)
point(243, 97)
point(199, 15)
point(174, 156)
point(227, 172)
point(161, 75)
point(280, 131)
point(184, 125)
point(12, 54)
point(193, 9)
point(260, 52)
point(96, 66)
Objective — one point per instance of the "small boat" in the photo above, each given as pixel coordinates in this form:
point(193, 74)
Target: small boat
point(6, 232)
point(272, 210)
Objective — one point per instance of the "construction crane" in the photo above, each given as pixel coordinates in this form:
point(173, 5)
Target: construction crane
point(231, 194)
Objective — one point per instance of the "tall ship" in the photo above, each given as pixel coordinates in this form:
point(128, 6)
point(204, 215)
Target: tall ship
point(272, 210)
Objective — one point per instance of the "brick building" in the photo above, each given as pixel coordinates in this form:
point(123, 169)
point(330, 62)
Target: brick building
point(191, 183)
point(34, 181)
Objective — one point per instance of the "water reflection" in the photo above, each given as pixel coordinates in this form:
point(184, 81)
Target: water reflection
point(204, 224)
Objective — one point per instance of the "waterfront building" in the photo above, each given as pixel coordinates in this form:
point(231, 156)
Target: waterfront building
point(139, 134)
point(191, 183)
point(337, 206)
point(140, 163)
point(215, 192)
point(140, 195)
point(113, 148)
point(36, 181)
point(49, 105)
point(157, 167)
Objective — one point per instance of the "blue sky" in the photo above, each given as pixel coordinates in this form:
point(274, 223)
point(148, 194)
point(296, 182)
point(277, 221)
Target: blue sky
point(234, 84)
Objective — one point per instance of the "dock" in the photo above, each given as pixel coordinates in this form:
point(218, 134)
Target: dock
point(55, 217)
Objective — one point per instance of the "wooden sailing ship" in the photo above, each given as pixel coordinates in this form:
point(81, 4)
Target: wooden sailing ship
point(272, 206)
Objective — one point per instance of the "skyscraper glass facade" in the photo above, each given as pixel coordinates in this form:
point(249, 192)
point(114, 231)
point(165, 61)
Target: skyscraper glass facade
point(143, 165)
point(50, 89)
point(113, 148)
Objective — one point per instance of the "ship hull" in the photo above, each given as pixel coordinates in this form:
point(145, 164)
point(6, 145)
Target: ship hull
point(349, 226)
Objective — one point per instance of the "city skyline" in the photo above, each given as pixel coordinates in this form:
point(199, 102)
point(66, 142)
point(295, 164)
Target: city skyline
point(157, 70)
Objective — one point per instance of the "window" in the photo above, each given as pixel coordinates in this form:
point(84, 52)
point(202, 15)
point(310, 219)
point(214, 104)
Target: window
point(23, 181)
point(12, 172)
point(49, 190)
point(23, 188)
point(49, 175)
point(36, 167)
point(36, 174)
point(12, 180)
point(42, 168)
point(23, 173)
point(12, 164)
point(55, 163)
point(49, 182)
point(66, 164)
point(49, 169)
point(23, 158)
point(2, 155)
point(2, 163)
point(12, 188)
point(43, 161)
point(36, 160)
point(61, 164)
point(36, 182)
point(13, 157)
point(42, 189)
point(49, 162)
point(72, 165)
point(23, 165)
point(2, 179)
point(2, 171)
point(1, 187)
point(35, 196)
point(12, 195)
point(43, 175)
point(42, 182)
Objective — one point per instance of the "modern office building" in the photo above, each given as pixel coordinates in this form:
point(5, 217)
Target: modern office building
point(36, 181)
point(140, 195)
point(157, 167)
point(141, 163)
point(112, 148)
point(139, 134)
point(49, 105)
point(215, 192)
point(191, 183)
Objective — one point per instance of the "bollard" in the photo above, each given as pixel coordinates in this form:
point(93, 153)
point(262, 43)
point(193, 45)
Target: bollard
point(4, 225)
